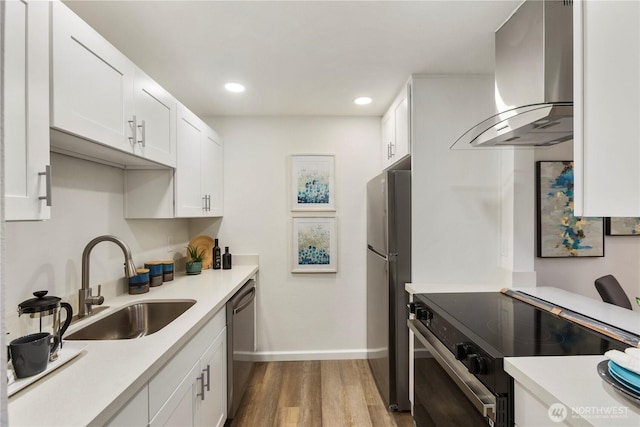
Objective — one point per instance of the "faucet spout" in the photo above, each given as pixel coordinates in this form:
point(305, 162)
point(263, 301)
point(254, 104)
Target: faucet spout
point(86, 299)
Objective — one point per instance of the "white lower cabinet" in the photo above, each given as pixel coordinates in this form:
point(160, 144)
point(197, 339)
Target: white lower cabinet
point(532, 412)
point(179, 410)
point(211, 398)
point(191, 389)
point(135, 413)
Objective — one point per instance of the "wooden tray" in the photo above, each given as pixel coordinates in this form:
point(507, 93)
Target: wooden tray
point(206, 243)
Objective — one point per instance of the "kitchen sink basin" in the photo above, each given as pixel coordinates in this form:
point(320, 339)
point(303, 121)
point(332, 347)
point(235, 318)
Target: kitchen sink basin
point(133, 321)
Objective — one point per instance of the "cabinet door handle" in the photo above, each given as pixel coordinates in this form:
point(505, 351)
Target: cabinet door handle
point(134, 128)
point(208, 369)
point(388, 151)
point(47, 175)
point(204, 203)
point(142, 133)
point(201, 378)
point(392, 149)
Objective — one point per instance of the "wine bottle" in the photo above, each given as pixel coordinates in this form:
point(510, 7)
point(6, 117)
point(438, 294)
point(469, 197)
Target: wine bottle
point(226, 259)
point(216, 256)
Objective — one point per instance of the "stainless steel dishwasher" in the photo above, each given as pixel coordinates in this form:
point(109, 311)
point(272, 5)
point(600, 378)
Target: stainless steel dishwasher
point(241, 344)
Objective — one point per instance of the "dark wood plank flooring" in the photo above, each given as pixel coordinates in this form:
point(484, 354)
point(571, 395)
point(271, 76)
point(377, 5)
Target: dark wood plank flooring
point(328, 393)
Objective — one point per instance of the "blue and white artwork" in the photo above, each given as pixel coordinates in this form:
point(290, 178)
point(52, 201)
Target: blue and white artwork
point(623, 226)
point(560, 233)
point(313, 182)
point(314, 244)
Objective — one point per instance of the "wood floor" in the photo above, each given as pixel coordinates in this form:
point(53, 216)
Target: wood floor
point(331, 393)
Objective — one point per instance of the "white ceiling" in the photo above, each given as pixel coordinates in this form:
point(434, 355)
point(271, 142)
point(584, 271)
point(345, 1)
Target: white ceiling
point(297, 57)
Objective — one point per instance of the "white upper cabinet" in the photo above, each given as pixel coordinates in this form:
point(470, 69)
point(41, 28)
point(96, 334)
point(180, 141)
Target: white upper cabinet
point(212, 171)
point(98, 94)
point(396, 144)
point(194, 189)
point(27, 175)
point(92, 83)
point(607, 108)
point(155, 117)
point(198, 175)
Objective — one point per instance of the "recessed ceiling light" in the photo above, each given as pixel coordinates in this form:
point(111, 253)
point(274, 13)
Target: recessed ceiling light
point(363, 100)
point(234, 87)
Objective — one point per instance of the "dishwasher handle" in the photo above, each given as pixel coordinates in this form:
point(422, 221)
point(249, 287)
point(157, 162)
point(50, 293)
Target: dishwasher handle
point(239, 304)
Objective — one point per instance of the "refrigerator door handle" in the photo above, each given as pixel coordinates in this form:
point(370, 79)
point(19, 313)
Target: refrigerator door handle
point(376, 252)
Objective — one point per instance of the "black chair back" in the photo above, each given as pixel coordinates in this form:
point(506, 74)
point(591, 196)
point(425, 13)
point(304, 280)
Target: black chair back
point(610, 291)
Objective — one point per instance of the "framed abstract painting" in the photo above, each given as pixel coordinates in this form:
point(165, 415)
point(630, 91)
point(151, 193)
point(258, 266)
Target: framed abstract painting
point(622, 226)
point(312, 183)
point(314, 245)
point(560, 233)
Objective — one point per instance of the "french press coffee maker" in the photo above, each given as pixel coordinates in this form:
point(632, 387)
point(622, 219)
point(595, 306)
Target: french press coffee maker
point(43, 306)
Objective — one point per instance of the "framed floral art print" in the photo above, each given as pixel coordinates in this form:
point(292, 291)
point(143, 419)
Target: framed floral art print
point(312, 183)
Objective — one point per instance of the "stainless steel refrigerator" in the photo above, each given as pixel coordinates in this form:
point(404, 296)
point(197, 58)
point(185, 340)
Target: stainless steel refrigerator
point(388, 269)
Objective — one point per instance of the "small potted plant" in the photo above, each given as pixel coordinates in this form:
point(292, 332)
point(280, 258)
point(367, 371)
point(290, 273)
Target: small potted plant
point(194, 263)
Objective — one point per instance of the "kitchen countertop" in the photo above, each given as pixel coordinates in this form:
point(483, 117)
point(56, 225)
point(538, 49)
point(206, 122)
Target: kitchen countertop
point(628, 320)
point(91, 388)
point(424, 288)
point(574, 382)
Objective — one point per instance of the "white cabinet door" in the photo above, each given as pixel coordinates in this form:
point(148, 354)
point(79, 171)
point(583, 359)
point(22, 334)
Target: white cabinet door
point(388, 139)
point(195, 187)
point(396, 143)
point(189, 195)
point(401, 115)
point(212, 173)
point(179, 409)
point(211, 404)
point(198, 175)
point(155, 113)
point(135, 412)
point(606, 108)
point(26, 113)
point(92, 83)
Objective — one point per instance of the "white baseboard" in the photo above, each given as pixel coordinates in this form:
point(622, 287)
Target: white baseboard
point(282, 356)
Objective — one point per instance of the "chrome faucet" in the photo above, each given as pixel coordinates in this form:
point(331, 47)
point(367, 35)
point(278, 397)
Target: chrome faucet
point(86, 299)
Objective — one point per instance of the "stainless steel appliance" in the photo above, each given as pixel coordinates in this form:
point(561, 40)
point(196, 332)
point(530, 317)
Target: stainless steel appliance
point(460, 346)
point(240, 344)
point(388, 269)
point(534, 79)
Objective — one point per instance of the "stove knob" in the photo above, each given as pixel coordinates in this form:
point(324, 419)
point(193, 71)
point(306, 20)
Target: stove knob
point(477, 364)
point(462, 350)
point(412, 307)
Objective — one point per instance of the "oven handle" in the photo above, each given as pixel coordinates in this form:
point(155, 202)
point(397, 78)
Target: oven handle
point(478, 394)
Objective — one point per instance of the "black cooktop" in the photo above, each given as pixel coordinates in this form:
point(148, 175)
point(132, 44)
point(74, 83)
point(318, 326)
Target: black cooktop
point(505, 326)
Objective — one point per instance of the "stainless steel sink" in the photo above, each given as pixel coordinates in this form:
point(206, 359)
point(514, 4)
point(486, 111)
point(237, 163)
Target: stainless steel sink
point(133, 321)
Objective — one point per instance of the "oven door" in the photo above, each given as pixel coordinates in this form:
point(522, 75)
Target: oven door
point(445, 393)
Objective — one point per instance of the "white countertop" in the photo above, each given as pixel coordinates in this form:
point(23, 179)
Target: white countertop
point(425, 288)
point(608, 313)
point(574, 382)
point(92, 387)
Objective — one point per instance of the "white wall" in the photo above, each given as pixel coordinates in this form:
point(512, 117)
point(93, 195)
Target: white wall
point(455, 193)
point(622, 255)
point(87, 202)
point(300, 316)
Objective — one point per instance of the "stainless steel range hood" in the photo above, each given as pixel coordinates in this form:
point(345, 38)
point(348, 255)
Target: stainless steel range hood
point(534, 80)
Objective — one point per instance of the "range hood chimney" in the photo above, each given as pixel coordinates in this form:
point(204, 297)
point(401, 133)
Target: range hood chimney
point(534, 80)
